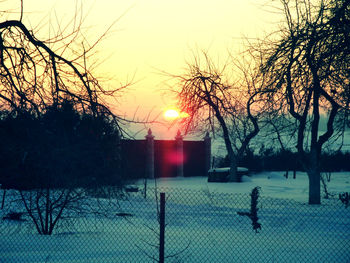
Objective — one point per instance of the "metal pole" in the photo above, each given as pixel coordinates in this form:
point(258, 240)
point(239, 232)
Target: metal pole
point(162, 227)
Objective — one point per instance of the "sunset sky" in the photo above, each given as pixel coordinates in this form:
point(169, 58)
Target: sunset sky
point(150, 36)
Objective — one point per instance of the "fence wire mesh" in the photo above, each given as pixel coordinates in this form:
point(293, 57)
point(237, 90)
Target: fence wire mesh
point(201, 226)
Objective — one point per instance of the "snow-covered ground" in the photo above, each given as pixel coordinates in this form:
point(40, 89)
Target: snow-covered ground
point(202, 226)
point(273, 184)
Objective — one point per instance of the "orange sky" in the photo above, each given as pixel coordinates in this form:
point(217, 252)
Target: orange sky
point(150, 36)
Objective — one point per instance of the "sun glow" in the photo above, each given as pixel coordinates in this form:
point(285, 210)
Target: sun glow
point(173, 114)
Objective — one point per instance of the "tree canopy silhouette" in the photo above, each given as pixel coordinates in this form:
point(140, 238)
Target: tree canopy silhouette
point(215, 104)
point(306, 67)
point(58, 134)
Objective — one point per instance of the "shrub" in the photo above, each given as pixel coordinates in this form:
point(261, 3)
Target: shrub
point(14, 216)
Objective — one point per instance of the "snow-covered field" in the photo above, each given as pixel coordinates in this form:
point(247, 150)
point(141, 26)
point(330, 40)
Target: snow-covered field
point(202, 226)
point(273, 184)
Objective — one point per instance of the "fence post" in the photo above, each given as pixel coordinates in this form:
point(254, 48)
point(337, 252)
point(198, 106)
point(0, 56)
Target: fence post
point(161, 227)
point(149, 155)
point(180, 154)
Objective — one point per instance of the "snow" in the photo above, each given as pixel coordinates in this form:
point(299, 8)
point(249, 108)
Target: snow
point(202, 223)
point(273, 184)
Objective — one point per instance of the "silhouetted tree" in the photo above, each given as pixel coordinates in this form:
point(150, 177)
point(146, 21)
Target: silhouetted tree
point(306, 67)
point(58, 128)
point(214, 104)
point(55, 158)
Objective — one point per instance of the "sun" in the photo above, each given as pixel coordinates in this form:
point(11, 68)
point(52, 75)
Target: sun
point(171, 114)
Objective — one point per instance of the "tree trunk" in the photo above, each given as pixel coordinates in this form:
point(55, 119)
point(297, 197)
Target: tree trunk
point(314, 187)
point(233, 176)
point(314, 173)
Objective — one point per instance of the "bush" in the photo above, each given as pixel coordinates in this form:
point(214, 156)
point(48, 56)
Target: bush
point(14, 216)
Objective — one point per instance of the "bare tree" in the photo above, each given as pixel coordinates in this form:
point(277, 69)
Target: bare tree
point(46, 207)
point(38, 75)
point(213, 103)
point(306, 65)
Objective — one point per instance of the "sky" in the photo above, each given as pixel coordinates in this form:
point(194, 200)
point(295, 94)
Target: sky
point(149, 40)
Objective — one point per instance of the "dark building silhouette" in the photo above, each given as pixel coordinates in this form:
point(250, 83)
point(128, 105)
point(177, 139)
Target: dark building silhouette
point(151, 158)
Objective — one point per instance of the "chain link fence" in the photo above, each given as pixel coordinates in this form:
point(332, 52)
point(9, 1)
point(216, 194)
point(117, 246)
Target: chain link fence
point(200, 226)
